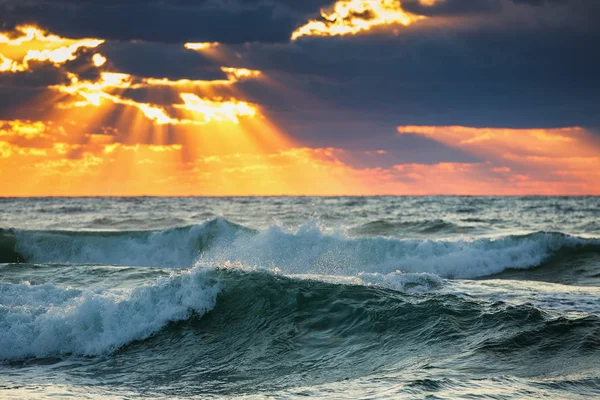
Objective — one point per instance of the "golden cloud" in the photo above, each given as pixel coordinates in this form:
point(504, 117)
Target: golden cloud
point(203, 110)
point(216, 110)
point(29, 43)
point(350, 17)
point(98, 60)
point(200, 45)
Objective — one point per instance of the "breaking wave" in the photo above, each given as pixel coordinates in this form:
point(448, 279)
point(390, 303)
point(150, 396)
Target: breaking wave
point(276, 330)
point(46, 320)
point(304, 251)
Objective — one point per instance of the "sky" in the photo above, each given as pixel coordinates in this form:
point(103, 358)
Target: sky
point(289, 97)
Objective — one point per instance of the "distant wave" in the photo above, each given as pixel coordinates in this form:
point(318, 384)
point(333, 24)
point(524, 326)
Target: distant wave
point(65, 210)
point(112, 223)
point(306, 250)
point(387, 228)
point(591, 227)
point(173, 247)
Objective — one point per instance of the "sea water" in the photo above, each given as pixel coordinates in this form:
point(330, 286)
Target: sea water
point(288, 297)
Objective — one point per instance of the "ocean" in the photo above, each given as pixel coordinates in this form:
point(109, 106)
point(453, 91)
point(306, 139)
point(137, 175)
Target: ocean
point(300, 297)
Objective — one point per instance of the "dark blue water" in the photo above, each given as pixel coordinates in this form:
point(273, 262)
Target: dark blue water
point(438, 297)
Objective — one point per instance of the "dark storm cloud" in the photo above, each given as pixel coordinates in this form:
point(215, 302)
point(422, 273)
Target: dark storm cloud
point(41, 75)
point(164, 21)
point(410, 149)
point(570, 11)
point(157, 60)
point(226, 21)
point(526, 70)
point(519, 64)
point(538, 2)
point(453, 7)
point(22, 103)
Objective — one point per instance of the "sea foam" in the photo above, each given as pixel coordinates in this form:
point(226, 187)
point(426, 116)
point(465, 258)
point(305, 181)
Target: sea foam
point(47, 320)
point(307, 250)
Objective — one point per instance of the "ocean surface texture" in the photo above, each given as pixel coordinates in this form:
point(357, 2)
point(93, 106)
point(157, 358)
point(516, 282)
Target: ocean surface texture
point(399, 298)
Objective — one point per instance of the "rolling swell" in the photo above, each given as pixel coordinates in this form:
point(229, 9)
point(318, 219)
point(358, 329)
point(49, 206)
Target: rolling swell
point(307, 250)
point(174, 247)
point(426, 227)
point(267, 332)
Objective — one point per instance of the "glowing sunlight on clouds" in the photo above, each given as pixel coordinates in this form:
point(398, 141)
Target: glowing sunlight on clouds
point(350, 17)
point(29, 43)
point(526, 161)
point(200, 46)
point(219, 110)
point(102, 131)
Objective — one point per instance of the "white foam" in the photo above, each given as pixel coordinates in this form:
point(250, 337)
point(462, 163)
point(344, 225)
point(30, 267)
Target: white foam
point(412, 282)
point(310, 251)
point(46, 320)
point(307, 250)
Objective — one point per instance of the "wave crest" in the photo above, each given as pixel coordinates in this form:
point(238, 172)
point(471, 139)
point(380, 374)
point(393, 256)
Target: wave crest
point(308, 250)
point(46, 320)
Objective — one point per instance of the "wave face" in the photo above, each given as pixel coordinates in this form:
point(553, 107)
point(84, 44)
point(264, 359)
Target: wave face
point(307, 250)
point(46, 320)
point(174, 247)
point(229, 332)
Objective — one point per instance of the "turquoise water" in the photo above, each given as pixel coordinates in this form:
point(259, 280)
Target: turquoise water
point(387, 297)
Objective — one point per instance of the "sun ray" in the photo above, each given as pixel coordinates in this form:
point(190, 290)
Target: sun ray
point(118, 133)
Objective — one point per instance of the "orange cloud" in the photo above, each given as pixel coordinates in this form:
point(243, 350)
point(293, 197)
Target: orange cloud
point(430, 3)
point(526, 161)
point(350, 17)
point(499, 142)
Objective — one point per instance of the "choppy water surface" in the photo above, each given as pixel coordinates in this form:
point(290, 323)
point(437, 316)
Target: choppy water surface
point(387, 297)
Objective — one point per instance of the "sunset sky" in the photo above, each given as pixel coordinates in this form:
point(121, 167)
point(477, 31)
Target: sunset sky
point(290, 97)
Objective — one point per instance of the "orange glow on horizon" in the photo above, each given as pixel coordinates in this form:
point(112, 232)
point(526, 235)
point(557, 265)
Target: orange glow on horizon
point(350, 17)
point(254, 158)
point(241, 159)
